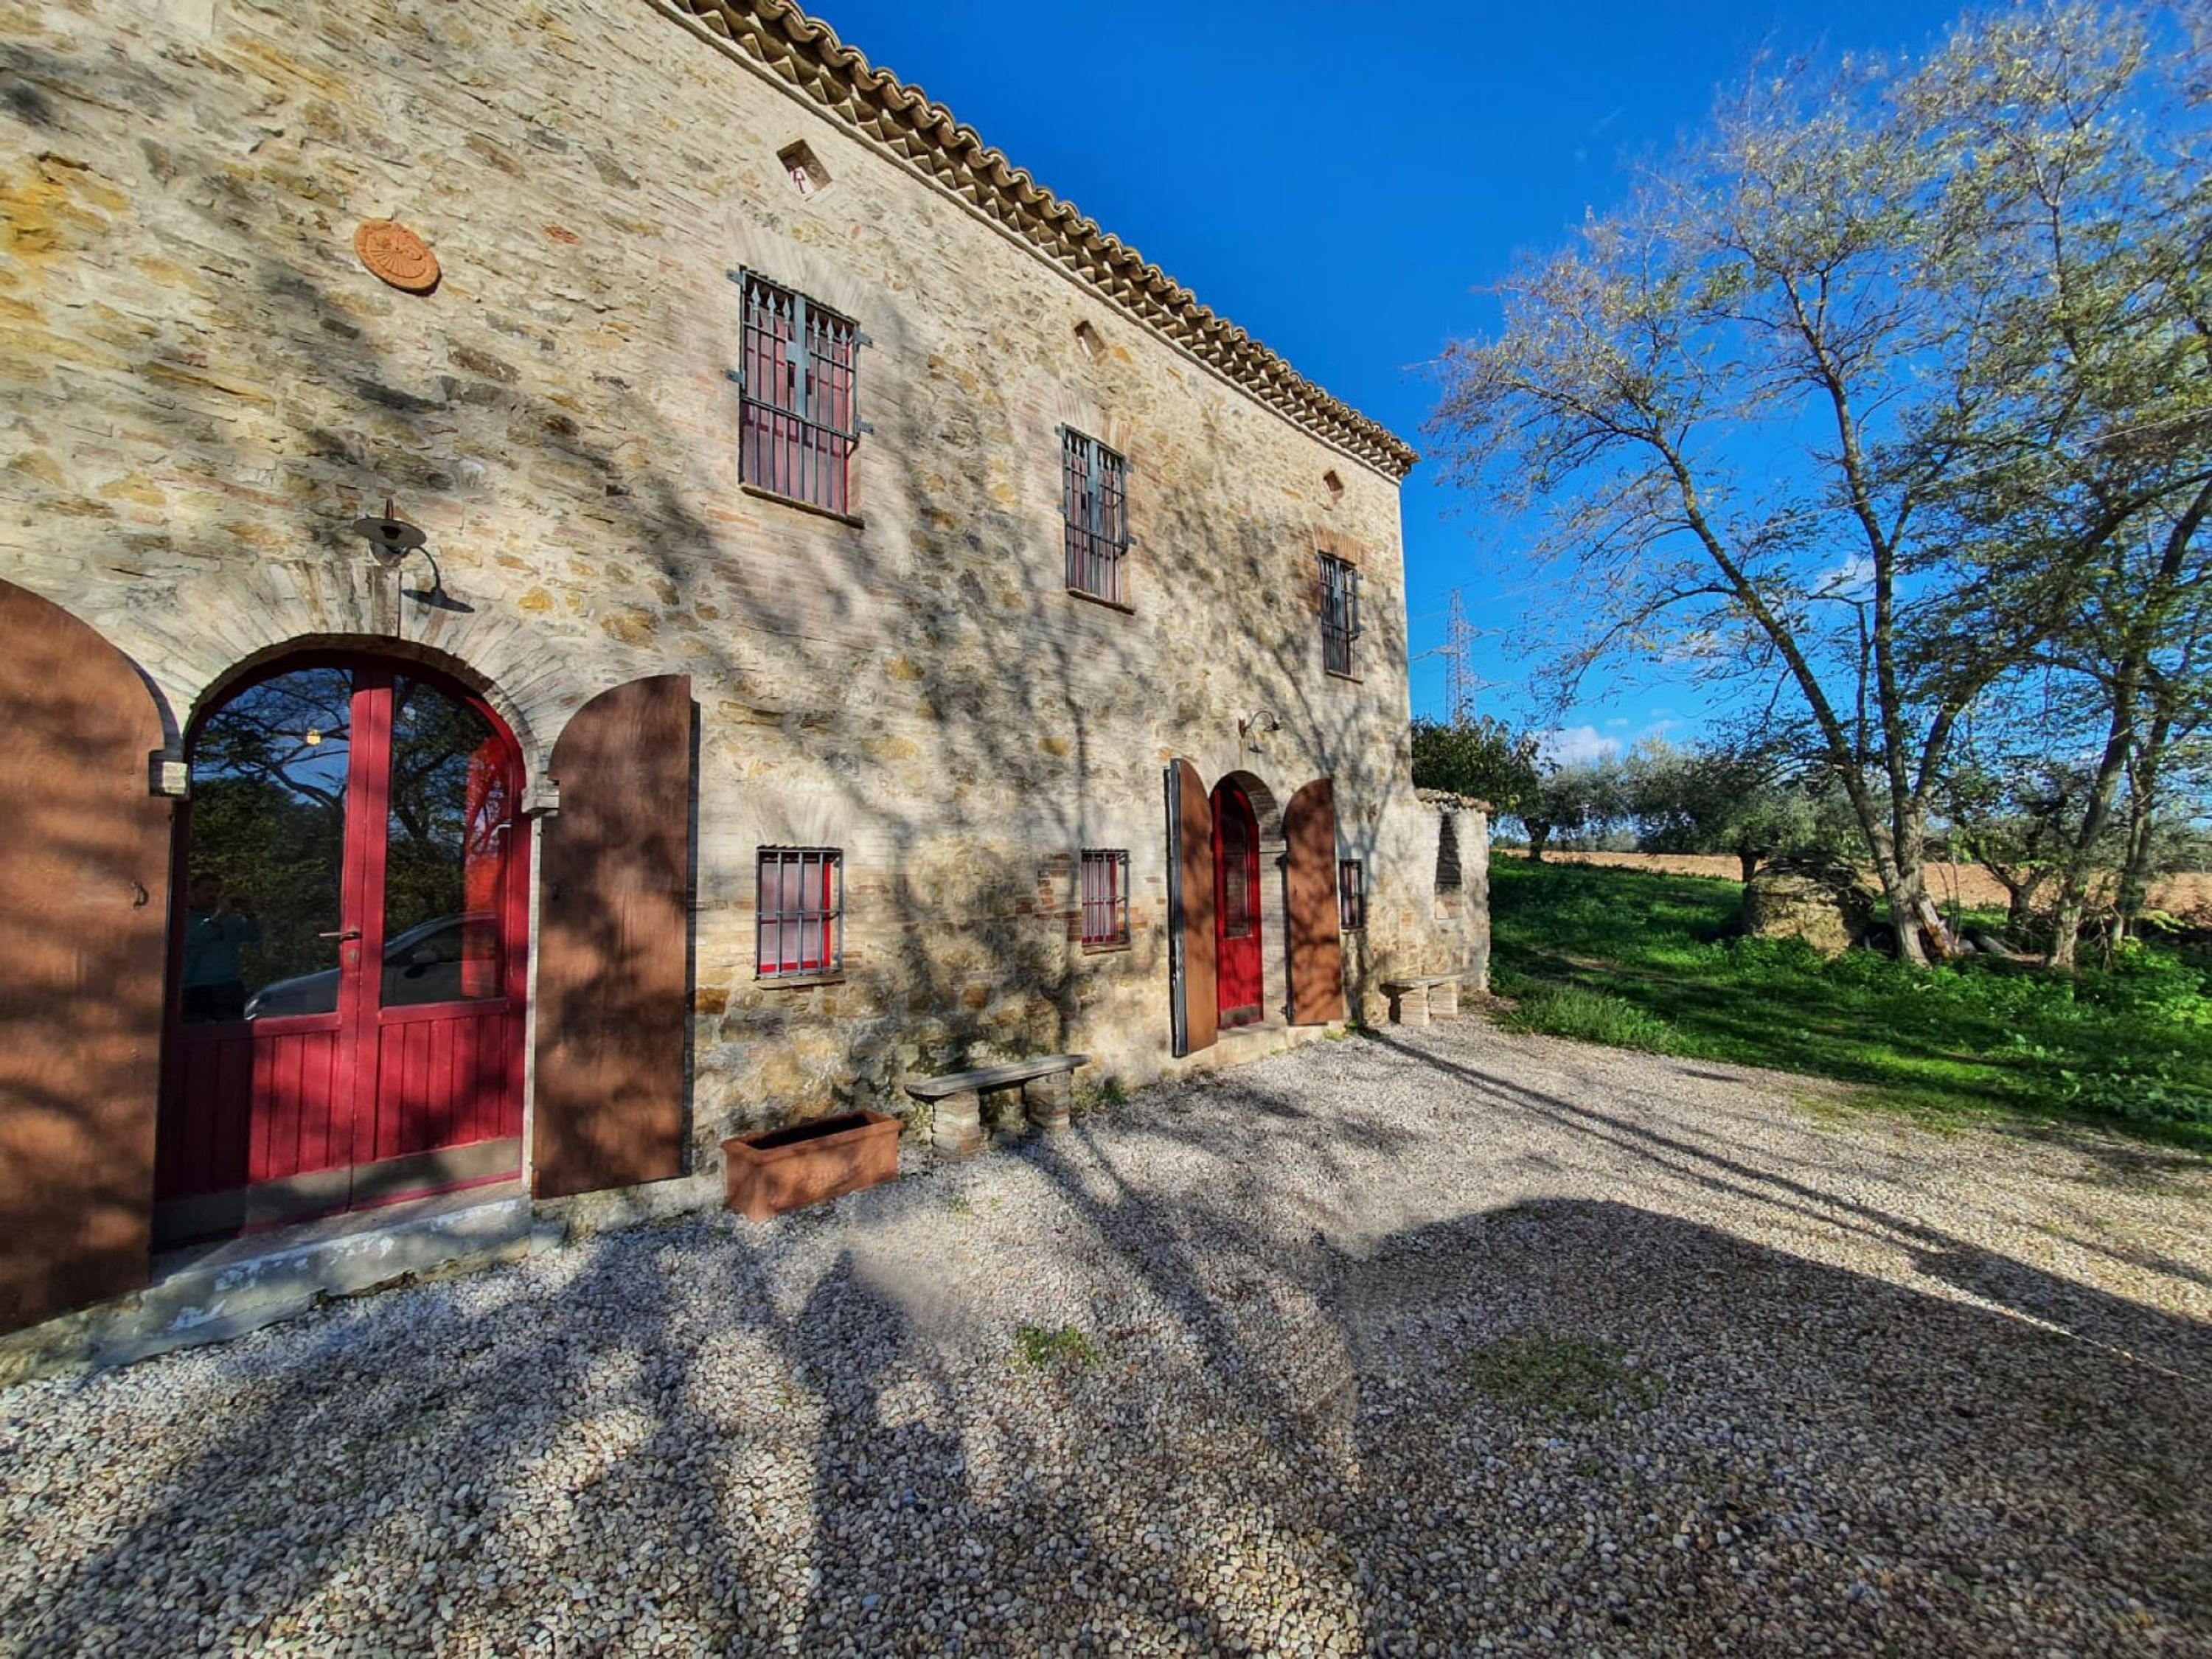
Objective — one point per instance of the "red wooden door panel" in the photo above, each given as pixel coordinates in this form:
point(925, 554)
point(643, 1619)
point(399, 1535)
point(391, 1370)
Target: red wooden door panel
point(613, 1010)
point(1314, 947)
point(1236, 905)
point(1191, 848)
point(347, 961)
point(84, 877)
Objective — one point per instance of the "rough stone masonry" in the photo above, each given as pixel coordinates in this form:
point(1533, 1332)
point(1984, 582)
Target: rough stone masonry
point(205, 388)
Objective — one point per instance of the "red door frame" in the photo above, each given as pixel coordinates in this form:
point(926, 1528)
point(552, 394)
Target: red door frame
point(359, 1020)
point(1239, 973)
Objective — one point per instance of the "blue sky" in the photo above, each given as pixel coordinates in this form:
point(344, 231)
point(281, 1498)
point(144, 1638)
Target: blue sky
point(1341, 180)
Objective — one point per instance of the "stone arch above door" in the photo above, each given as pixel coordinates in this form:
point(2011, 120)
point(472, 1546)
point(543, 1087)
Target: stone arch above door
point(1266, 805)
point(191, 635)
point(515, 713)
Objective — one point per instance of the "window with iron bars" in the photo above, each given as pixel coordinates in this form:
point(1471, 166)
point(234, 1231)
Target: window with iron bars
point(1340, 613)
point(1105, 896)
point(802, 911)
point(1095, 501)
point(797, 423)
point(1351, 894)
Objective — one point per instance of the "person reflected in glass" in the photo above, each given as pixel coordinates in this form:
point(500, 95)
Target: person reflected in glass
point(218, 924)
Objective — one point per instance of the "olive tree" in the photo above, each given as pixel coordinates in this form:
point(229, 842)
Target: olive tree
point(1770, 416)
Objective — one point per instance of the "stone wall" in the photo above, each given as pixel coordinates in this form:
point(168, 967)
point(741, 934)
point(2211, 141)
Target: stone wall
point(206, 387)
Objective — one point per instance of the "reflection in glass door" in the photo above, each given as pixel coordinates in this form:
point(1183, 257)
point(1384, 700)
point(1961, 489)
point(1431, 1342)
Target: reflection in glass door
point(347, 1014)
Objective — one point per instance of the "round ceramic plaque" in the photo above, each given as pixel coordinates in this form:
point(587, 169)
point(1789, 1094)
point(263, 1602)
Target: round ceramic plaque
point(397, 255)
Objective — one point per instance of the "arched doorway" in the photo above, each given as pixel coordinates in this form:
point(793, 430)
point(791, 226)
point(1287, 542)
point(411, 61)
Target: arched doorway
point(1236, 905)
point(347, 984)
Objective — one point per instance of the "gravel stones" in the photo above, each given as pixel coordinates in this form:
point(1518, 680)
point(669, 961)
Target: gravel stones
point(1830, 1384)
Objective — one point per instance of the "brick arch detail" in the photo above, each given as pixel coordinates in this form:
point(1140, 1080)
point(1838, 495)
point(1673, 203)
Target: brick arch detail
point(516, 715)
point(201, 637)
point(1266, 804)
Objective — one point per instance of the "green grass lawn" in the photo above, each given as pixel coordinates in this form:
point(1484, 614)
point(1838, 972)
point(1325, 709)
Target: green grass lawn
point(1627, 957)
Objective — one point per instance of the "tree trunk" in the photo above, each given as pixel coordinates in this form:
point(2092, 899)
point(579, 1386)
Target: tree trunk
point(2019, 901)
point(1748, 866)
point(2074, 875)
point(1539, 834)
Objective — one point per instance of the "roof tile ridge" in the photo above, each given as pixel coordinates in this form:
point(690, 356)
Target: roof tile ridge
point(1011, 193)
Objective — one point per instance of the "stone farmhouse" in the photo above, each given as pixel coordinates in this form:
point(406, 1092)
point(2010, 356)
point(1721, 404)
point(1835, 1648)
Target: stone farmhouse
point(582, 576)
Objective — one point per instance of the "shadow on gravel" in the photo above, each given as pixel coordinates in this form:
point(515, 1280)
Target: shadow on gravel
point(437, 1422)
point(1794, 1457)
point(1568, 1424)
point(2181, 1343)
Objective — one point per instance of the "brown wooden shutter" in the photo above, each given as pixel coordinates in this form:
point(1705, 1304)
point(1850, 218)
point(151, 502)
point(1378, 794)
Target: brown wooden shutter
point(1193, 856)
point(1316, 952)
point(84, 904)
point(614, 948)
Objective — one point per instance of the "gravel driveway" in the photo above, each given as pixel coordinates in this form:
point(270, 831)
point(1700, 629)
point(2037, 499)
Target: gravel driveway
point(1430, 1343)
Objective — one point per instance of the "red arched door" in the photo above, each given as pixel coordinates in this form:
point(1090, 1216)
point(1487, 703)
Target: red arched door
point(1236, 905)
point(346, 983)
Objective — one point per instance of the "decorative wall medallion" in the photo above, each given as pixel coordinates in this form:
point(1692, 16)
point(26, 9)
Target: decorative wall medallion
point(397, 255)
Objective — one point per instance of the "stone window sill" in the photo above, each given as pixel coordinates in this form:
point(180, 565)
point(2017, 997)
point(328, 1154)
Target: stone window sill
point(1112, 948)
point(797, 982)
point(1102, 602)
point(793, 501)
point(1349, 679)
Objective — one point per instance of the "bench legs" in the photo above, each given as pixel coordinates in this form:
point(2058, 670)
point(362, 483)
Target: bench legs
point(1411, 1005)
point(1443, 1000)
point(1040, 1102)
point(1046, 1099)
point(958, 1125)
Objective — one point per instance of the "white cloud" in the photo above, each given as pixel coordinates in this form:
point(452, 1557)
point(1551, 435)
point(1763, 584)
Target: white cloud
point(1849, 579)
point(1574, 745)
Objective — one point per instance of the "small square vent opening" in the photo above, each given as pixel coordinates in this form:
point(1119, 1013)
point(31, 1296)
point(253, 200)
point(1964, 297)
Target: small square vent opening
point(807, 174)
point(1088, 341)
point(1333, 485)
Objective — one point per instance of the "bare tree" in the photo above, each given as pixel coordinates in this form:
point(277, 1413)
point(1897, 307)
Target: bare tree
point(1771, 408)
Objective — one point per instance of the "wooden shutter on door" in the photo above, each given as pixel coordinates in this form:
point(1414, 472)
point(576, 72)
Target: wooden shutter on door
point(1193, 856)
point(1317, 950)
point(615, 944)
point(84, 891)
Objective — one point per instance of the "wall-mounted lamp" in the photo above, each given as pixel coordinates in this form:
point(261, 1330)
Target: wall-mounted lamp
point(1252, 726)
point(391, 539)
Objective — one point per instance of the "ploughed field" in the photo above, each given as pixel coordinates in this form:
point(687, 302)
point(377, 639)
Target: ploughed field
point(1446, 1341)
point(2186, 893)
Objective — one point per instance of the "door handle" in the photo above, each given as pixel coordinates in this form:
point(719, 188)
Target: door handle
point(343, 932)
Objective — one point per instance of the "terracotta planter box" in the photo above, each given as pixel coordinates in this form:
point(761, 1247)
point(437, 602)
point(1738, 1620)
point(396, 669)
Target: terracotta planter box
point(778, 1169)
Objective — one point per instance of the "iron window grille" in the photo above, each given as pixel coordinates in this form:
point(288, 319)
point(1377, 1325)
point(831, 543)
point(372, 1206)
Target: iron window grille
point(797, 377)
point(1351, 894)
point(1095, 501)
point(1340, 613)
point(802, 911)
point(1105, 896)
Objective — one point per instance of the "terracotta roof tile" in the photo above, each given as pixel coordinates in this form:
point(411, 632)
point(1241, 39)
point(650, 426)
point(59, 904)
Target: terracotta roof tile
point(806, 52)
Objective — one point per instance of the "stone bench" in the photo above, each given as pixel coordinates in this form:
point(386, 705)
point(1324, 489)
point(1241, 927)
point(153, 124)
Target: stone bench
point(1417, 1001)
point(1043, 1084)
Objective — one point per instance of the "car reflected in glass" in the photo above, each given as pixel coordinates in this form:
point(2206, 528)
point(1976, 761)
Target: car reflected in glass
point(429, 962)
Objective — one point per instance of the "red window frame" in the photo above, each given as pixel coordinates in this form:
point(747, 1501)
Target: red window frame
point(1095, 506)
point(1351, 894)
point(1339, 612)
point(798, 384)
point(800, 924)
point(1103, 893)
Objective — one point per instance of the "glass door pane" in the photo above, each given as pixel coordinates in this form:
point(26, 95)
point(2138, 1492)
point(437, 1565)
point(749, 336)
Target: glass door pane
point(265, 884)
point(447, 827)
